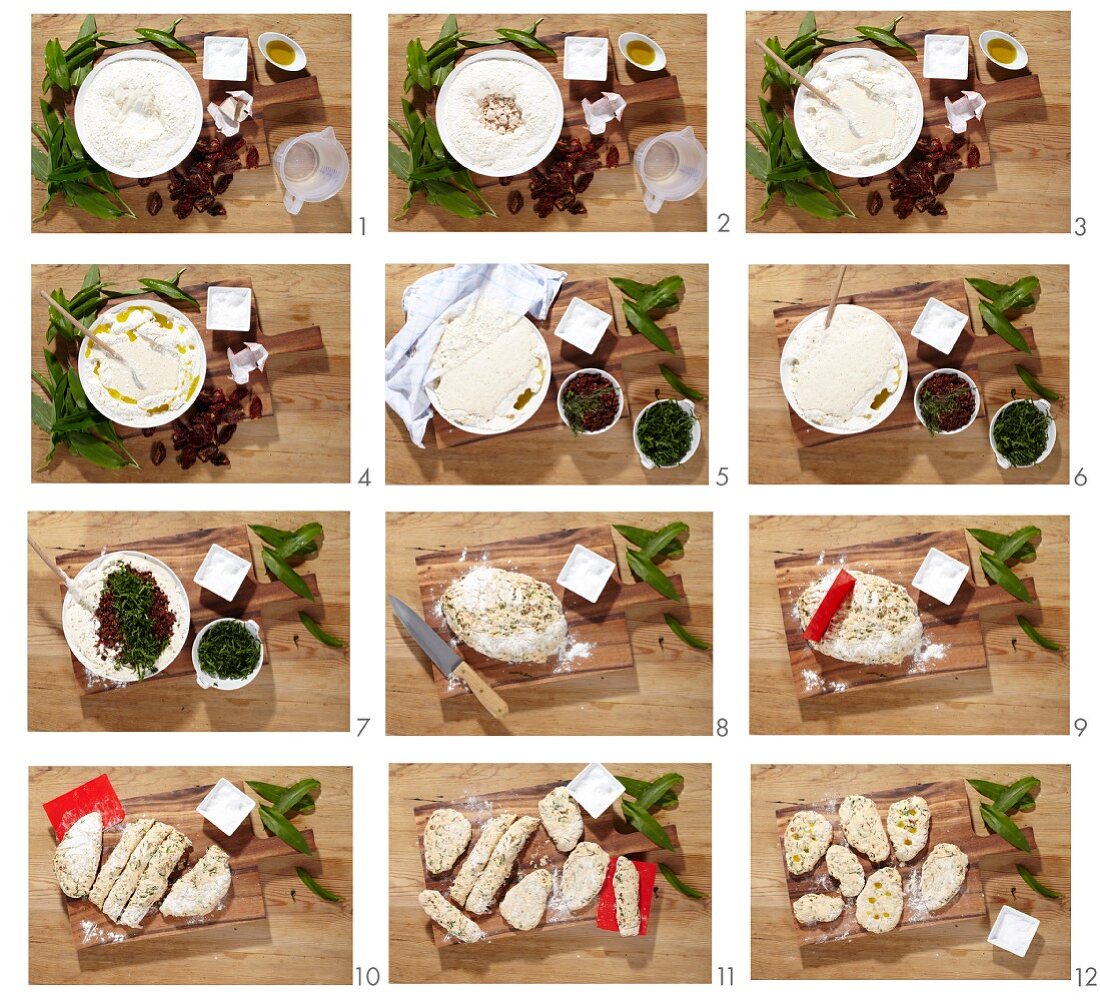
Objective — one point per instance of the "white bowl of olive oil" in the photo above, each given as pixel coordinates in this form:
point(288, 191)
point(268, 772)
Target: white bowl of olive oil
point(642, 51)
point(282, 51)
point(1002, 49)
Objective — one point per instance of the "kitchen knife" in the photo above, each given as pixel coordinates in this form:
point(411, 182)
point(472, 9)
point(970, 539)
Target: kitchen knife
point(447, 661)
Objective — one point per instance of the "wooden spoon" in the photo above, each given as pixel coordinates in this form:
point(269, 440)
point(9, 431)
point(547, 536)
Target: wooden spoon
point(836, 296)
point(802, 81)
point(68, 581)
point(96, 342)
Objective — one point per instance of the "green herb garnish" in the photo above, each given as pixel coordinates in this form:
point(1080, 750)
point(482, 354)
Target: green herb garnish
point(286, 831)
point(994, 790)
point(228, 650)
point(1035, 885)
point(1006, 546)
point(1035, 385)
point(1001, 825)
point(283, 546)
point(680, 385)
point(1003, 299)
point(1020, 432)
point(1000, 574)
point(642, 537)
point(316, 888)
point(131, 599)
point(576, 407)
point(683, 634)
point(317, 632)
point(1036, 636)
point(678, 884)
point(266, 790)
point(665, 433)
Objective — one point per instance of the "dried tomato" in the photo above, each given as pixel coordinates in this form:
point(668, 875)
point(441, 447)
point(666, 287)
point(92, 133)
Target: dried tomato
point(515, 201)
point(944, 183)
point(187, 458)
point(158, 452)
point(148, 432)
point(937, 208)
point(577, 208)
point(183, 208)
point(155, 203)
point(252, 158)
point(543, 207)
point(582, 182)
point(216, 209)
point(973, 157)
point(144, 181)
point(904, 208)
point(865, 181)
point(238, 394)
point(226, 433)
point(255, 408)
point(874, 203)
point(613, 157)
point(505, 181)
point(233, 143)
point(220, 458)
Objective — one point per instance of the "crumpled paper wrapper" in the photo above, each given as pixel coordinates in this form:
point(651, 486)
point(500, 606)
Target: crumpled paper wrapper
point(970, 106)
point(597, 114)
point(228, 115)
point(242, 363)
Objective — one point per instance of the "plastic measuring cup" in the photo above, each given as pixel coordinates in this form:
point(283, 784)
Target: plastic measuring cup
point(313, 167)
point(672, 167)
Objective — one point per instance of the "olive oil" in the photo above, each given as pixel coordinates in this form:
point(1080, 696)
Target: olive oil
point(1002, 51)
point(640, 52)
point(279, 52)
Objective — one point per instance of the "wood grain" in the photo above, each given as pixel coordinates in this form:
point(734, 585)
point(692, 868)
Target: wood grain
point(305, 386)
point(303, 687)
point(254, 202)
point(303, 939)
point(779, 294)
point(544, 450)
point(667, 692)
point(944, 950)
point(951, 824)
point(1026, 191)
point(1024, 690)
point(676, 949)
point(601, 624)
point(614, 201)
point(956, 627)
point(538, 852)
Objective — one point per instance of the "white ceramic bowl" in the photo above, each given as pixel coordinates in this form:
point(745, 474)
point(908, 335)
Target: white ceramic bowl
point(696, 433)
point(591, 371)
point(874, 169)
point(206, 680)
point(88, 140)
point(1021, 53)
point(104, 404)
point(276, 36)
point(660, 61)
point(444, 92)
point(969, 381)
point(529, 410)
point(1052, 434)
point(883, 411)
point(183, 621)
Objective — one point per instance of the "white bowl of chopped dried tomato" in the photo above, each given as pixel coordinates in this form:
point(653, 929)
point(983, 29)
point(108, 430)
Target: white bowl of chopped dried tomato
point(612, 383)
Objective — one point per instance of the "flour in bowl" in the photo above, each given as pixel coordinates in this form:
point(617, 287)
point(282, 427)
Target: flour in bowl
point(881, 113)
point(138, 115)
point(499, 113)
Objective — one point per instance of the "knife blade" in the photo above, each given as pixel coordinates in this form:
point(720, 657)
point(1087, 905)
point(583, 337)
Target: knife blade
point(446, 658)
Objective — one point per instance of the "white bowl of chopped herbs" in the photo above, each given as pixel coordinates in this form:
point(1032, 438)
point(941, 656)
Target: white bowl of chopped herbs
point(227, 654)
point(667, 433)
point(1022, 433)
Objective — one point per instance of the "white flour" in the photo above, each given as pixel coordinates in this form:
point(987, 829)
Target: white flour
point(138, 114)
point(499, 113)
point(882, 109)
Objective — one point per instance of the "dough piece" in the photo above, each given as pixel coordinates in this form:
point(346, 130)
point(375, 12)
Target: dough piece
point(153, 883)
point(879, 906)
point(199, 891)
point(476, 860)
point(125, 884)
point(449, 917)
point(562, 818)
point(805, 841)
point(500, 864)
point(76, 860)
point(844, 866)
point(524, 904)
point(583, 875)
point(862, 827)
point(625, 882)
point(942, 875)
point(445, 838)
point(907, 823)
point(816, 908)
point(116, 863)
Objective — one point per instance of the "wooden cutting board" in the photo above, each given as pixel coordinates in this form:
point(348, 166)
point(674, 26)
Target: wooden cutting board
point(539, 852)
point(901, 307)
point(296, 87)
point(184, 554)
point(246, 849)
point(566, 359)
point(958, 626)
point(951, 824)
point(660, 86)
point(217, 342)
point(604, 624)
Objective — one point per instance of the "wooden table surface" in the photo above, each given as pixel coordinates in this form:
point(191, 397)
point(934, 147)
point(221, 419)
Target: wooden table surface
point(304, 688)
point(308, 439)
point(668, 692)
point(941, 951)
point(254, 202)
point(546, 456)
point(615, 201)
point(1027, 188)
point(676, 949)
point(303, 940)
point(898, 456)
point(1025, 690)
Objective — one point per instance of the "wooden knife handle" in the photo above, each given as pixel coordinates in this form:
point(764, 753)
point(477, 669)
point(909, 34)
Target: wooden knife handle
point(492, 702)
